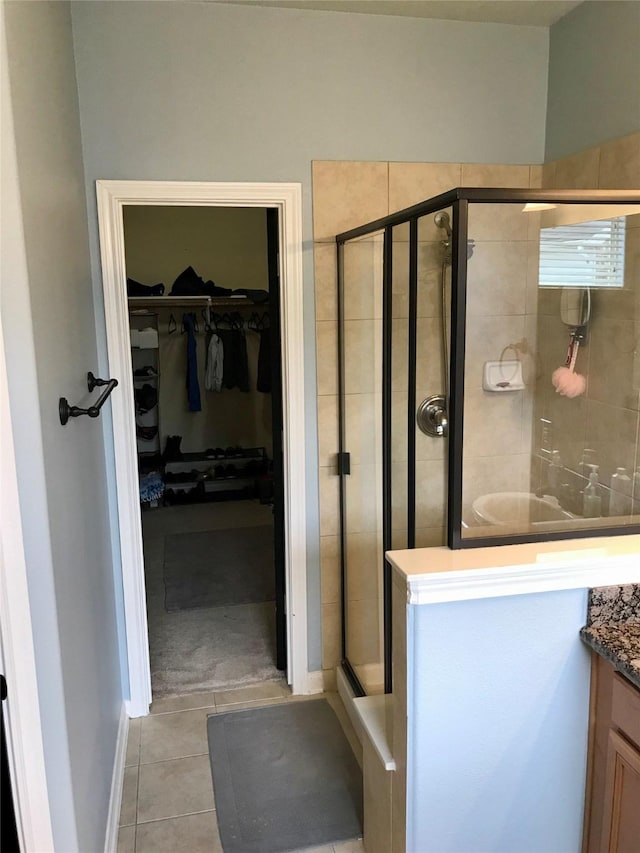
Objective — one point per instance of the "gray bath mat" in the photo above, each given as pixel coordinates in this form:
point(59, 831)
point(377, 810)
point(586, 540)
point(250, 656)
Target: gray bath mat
point(284, 777)
point(218, 568)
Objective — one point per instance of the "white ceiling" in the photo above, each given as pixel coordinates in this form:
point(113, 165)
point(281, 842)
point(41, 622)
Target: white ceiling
point(537, 13)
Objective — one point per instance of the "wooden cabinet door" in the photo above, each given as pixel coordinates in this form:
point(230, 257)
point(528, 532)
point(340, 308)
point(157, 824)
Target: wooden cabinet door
point(621, 824)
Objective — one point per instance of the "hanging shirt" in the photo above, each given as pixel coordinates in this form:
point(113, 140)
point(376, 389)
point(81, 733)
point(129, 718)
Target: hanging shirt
point(215, 363)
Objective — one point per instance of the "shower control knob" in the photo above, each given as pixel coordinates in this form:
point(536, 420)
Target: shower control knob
point(431, 416)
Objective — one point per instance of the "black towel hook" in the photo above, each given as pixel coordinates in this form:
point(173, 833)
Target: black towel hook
point(66, 411)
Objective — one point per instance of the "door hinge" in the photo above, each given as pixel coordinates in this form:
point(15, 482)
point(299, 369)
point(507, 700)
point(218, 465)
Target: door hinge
point(344, 463)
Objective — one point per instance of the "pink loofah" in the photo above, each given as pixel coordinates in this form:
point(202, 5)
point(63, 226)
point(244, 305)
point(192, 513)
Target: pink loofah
point(568, 383)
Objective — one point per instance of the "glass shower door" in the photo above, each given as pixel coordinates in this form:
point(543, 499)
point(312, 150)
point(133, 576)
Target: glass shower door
point(432, 338)
point(361, 343)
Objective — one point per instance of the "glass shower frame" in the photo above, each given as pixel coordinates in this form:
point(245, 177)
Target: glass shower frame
point(457, 201)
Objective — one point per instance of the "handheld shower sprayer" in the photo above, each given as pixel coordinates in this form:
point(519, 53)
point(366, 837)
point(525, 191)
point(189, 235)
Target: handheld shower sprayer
point(432, 415)
point(442, 220)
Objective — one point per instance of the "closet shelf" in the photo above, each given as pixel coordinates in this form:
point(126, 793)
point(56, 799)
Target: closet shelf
point(137, 302)
point(244, 453)
point(211, 485)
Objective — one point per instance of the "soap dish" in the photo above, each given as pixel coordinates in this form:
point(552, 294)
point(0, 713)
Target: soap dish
point(502, 376)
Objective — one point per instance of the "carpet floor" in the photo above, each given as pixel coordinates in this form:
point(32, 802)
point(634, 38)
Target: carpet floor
point(209, 648)
point(284, 778)
point(218, 568)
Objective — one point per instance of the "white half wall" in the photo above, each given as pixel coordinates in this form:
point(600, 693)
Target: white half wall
point(498, 717)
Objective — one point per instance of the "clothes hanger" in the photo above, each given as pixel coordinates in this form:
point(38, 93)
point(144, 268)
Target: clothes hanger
point(196, 327)
point(172, 325)
point(207, 325)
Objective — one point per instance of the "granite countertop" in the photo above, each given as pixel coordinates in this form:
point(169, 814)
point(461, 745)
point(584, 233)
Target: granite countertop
point(613, 628)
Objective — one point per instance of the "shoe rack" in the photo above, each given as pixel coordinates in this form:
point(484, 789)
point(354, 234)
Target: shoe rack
point(217, 475)
point(145, 360)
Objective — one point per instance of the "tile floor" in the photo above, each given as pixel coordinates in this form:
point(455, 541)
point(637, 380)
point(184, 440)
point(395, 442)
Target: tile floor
point(167, 797)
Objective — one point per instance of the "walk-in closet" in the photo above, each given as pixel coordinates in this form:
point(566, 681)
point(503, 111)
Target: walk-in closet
point(205, 351)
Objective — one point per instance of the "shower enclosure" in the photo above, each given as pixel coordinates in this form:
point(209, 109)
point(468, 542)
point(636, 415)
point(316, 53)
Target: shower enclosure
point(489, 385)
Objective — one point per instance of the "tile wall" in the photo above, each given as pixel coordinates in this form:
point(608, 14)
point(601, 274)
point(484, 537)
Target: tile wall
point(502, 295)
point(607, 417)
point(348, 194)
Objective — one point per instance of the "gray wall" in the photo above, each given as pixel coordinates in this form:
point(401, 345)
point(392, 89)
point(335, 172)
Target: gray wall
point(198, 91)
point(594, 77)
point(49, 329)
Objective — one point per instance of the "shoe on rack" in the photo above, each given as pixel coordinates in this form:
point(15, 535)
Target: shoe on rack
point(146, 433)
point(146, 372)
point(172, 448)
point(146, 398)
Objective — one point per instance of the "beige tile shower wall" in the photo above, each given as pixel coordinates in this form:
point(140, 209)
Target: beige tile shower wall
point(349, 194)
point(501, 325)
point(344, 195)
point(606, 418)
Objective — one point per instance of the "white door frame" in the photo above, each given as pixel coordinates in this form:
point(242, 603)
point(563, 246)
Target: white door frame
point(112, 196)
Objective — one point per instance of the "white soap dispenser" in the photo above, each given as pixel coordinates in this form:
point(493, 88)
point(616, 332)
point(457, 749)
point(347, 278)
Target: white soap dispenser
point(620, 499)
point(591, 501)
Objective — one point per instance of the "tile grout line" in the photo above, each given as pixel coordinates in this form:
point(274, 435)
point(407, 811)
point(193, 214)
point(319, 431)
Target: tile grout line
point(176, 758)
point(175, 816)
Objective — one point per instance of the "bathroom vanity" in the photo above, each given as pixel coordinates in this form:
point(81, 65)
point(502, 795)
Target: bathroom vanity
point(483, 743)
point(612, 808)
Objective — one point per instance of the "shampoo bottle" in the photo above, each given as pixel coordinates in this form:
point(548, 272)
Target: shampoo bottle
point(591, 501)
point(587, 462)
point(620, 500)
point(556, 469)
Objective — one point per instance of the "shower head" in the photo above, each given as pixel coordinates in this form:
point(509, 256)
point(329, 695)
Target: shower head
point(442, 220)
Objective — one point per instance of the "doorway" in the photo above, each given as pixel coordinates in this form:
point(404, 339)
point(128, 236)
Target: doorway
point(282, 202)
point(203, 297)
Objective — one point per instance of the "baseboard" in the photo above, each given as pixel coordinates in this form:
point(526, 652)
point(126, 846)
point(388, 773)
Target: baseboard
point(315, 681)
point(117, 779)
